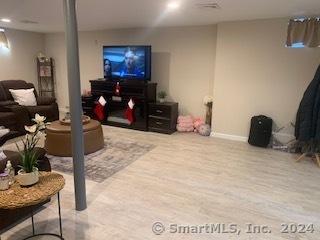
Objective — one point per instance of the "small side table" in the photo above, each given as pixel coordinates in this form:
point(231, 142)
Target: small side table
point(18, 197)
point(163, 117)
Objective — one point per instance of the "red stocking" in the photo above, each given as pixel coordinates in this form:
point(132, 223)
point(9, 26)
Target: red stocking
point(130, 112)
point(99, 109)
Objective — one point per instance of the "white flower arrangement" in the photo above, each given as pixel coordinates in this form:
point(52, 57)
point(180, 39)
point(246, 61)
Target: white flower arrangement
point(39, 119)
point(207, 100)
point(34, 132)
point(31, 129)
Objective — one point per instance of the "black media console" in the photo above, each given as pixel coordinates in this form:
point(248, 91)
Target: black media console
point(142, 93)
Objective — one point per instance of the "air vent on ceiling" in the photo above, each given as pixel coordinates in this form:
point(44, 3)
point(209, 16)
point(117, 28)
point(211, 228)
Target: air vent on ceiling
point(28, 22)
point(208, 5)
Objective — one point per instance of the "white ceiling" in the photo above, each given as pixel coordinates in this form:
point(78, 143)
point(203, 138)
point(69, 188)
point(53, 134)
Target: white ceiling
point(106, 14)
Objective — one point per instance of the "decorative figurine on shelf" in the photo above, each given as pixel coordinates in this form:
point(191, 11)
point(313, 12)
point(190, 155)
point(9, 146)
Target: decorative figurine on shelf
point(208, 100)
point(29, 174)
point(162, 96)
point(10, 171)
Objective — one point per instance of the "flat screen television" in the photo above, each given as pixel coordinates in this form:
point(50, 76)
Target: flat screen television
point(127, 62)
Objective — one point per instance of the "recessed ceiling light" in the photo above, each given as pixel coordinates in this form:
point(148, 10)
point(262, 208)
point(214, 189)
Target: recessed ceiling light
point(7, 20)
point(28, 21)
point(173, 5)
point(212, 5)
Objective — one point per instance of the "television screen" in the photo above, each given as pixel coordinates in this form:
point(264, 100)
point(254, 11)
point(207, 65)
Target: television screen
point(127, 62)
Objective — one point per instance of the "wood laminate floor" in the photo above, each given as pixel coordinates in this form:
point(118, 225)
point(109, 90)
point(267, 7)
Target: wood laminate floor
point(191, 182)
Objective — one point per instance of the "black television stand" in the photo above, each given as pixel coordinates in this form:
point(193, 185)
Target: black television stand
point(141, 92)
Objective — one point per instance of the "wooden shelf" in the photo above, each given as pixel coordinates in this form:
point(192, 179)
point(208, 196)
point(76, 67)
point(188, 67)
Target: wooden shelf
point(46, 83)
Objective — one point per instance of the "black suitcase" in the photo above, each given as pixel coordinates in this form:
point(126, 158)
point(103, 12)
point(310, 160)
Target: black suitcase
point(260, 131)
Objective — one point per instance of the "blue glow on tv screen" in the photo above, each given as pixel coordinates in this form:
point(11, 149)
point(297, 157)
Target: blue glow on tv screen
point(127, 62)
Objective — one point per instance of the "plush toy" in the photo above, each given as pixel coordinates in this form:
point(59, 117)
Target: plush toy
point(185, 124)
point(197, 122)
point(204, 130)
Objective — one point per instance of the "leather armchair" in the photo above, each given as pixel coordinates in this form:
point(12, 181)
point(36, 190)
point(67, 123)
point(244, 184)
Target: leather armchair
point(14, 116)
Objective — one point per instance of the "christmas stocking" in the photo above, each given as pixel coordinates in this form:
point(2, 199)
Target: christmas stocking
point(130, 112)
point(99, 108)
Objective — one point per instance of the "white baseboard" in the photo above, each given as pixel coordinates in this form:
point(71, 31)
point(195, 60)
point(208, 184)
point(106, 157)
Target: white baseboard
point(229, 137)
point(283, 137)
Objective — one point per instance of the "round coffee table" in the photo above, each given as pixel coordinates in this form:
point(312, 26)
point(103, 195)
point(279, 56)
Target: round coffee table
point(19, 197)
point(58, 138)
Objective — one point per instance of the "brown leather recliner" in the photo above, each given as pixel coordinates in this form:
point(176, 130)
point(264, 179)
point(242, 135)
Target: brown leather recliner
point(14, 116)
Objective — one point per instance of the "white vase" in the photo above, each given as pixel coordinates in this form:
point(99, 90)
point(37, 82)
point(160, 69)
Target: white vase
point(28, 179)
point(161, 100)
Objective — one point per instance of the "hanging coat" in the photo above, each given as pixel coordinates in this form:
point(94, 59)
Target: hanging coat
point(308, 116)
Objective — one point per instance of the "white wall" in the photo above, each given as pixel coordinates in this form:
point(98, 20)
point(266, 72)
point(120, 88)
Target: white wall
point(19, 62)
point(244, 64)
point(256, 74)
point(182, 61)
